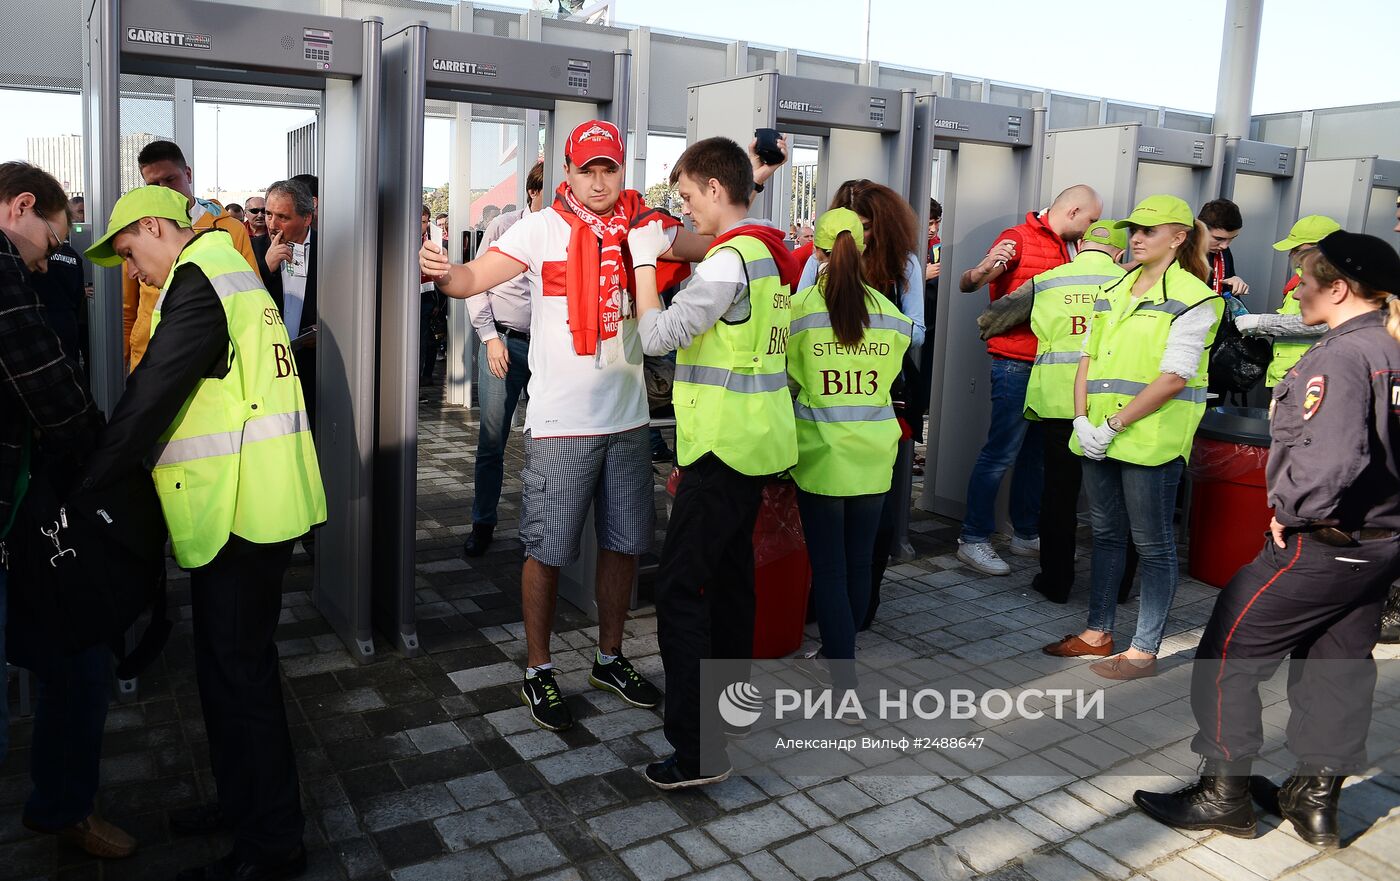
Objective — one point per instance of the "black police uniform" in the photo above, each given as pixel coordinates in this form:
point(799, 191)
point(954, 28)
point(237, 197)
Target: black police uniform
point(1334, 484)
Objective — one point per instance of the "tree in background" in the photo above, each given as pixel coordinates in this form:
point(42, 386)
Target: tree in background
point(664, 196)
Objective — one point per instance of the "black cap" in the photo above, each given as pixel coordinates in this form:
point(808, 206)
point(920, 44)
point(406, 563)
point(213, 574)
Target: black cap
point(1363, 258)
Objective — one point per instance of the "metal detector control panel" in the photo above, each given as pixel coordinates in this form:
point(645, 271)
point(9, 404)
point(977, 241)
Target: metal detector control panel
point(978, 123)
point(463, 66)
point(825, 104)
point(176, 39)
point(1385, 173)
point(1175, 147)
point(1258, 157)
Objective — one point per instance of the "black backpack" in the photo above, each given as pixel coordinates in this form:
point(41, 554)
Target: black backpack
point(1237, 362)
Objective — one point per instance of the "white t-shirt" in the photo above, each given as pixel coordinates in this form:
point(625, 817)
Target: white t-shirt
point(572, 395)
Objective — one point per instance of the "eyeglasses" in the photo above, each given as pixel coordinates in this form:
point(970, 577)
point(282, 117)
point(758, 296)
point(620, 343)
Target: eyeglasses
point(58, 243)
point(255, 210)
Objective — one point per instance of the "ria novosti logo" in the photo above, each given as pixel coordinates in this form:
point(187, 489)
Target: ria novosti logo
point(740, 704)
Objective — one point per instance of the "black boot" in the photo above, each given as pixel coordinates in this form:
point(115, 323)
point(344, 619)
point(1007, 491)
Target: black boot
point(1219, 800)
point(1308, 800)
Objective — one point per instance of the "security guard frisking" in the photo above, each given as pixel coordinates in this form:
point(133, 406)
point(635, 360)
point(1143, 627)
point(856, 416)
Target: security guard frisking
point(1316, 589)
point(216, 404)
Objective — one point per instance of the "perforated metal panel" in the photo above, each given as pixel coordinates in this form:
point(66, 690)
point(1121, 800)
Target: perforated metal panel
point(1187, 122)
point(1069, 111)
point(1119, 113)
point(1012, 95)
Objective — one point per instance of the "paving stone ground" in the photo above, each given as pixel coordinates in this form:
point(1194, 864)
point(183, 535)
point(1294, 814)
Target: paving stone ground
point(428, 769)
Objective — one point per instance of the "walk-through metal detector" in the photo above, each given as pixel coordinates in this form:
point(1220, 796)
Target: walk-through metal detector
point(571, 85)
point(1267, 183)
point(339, 58)
point(1129, 162)
point(862, 131)
point(991, 180)
point(1358, 193)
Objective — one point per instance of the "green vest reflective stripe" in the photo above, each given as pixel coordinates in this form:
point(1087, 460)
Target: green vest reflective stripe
point(1126, 344)
point(730, 391)
point(1287, 352)
point(238, 459)
point(1064, 302)
point(847, 433)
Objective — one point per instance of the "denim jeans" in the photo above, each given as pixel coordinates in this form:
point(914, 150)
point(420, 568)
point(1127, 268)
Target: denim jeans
point(70, 710)
point(1137, 499)
point(1011, 439)
point(840, 534)
point(496, 398)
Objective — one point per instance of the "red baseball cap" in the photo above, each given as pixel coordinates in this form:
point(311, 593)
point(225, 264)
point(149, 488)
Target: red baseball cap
point(595, 139)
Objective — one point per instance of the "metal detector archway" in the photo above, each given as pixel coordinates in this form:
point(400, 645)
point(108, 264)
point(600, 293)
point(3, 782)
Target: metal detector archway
point(1267, 183)
point(1129, 162)
point(572, 85)
point(339, 58)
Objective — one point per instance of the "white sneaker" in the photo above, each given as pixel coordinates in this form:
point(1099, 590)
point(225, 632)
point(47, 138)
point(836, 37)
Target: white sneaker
point(983, 558)
point(1025, 547)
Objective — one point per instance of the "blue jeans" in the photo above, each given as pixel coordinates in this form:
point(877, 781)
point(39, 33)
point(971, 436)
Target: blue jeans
point(1126, 498)
point(496, 398)
point(1011, 439)
point(840, 534)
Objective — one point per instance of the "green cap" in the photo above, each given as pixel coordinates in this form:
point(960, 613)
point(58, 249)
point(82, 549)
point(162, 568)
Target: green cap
point(140, 202)
point(1160, 209)
point(1308, 231)
point(1107, 232)
point(834, 222)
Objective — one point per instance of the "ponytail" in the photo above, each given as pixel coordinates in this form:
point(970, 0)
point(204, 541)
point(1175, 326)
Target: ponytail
point(1392, 321)
point(1192, 253)
point(843, 288)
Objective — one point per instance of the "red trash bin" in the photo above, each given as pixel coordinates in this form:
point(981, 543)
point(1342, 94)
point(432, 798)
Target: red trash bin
point(782, 572)
point(1230, 510)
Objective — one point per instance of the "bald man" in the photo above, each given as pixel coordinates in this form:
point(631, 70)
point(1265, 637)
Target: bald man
point(1022, 252)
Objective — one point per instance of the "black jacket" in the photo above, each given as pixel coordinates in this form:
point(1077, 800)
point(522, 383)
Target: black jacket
point(190, 343)
point(273, 281)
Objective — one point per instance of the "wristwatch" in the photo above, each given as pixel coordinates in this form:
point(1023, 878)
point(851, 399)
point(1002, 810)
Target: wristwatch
point(1114, 422)
point(757, 187)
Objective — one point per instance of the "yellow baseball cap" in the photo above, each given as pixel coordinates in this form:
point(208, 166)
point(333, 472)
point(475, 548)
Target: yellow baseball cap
point(1157, 210)
point(1107, 232)
point(833, 223)
point(1308, 230)
point(140, 202)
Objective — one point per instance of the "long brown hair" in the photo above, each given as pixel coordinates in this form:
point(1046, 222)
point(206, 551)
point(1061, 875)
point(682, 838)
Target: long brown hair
point(1192, 253)
point(1316, 264)
point(894, 230)
point(844, 289)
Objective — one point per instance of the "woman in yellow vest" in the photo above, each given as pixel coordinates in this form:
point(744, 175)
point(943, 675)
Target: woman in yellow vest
point(1292, 338)
point(1139, 395)
point(845, 346)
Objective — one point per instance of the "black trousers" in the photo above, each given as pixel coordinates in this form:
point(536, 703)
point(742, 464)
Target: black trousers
point(1059, 515)
point(1322, 606)
point(236, 600)
point(705, 599)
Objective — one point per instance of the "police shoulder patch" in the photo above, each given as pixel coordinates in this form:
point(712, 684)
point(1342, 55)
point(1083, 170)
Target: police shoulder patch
point(1312, 396)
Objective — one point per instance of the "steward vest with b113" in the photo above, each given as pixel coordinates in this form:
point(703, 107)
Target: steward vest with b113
point(730, 392)
point(238, 459)
point(1060, 314)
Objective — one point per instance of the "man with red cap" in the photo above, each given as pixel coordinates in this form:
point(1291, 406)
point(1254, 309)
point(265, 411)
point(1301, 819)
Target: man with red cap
point(586, 430)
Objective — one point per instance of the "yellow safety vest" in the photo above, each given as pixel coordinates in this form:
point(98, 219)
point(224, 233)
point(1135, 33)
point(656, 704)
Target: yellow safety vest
point(1286, 351)
point(847, 433)
point(238, 459)
point(1127, 338)
point(1064, 303)
point(730, 391)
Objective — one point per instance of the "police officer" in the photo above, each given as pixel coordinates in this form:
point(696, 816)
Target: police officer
point(846, 347)
point(1292, 337)
point(217, 406)
point(1316, 589)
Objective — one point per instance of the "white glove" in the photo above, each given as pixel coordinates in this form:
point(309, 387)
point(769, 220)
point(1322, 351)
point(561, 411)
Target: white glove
point(1084, 430)
point(1247, 323)
point(647, 244)
point(1099, 439)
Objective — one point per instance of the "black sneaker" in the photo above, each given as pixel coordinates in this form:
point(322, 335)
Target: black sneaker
point(547, 708)
point(623, 680)
point(479, 539)
point(661, 454)
point(668, 774)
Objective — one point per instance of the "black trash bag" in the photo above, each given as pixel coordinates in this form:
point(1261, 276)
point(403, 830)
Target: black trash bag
point(1237, 362)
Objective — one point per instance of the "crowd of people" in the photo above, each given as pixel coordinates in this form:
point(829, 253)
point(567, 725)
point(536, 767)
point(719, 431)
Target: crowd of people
point(805, 355)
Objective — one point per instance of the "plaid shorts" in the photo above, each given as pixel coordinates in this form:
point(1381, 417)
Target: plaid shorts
point(566, 476)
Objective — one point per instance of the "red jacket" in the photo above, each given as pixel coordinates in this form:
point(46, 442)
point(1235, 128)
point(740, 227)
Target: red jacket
point(1038, 248)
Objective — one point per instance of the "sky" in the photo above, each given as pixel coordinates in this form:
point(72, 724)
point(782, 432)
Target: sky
point(1149, 53)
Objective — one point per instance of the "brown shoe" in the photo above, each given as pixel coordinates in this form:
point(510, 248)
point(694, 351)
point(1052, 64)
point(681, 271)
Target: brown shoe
point(1125, 668)
point(1074, 647)
point(94, 835)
